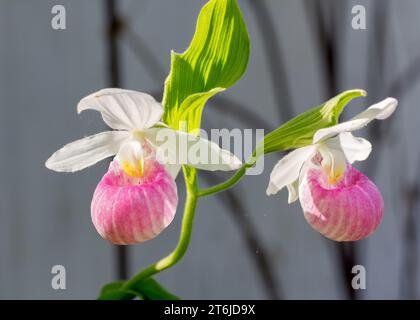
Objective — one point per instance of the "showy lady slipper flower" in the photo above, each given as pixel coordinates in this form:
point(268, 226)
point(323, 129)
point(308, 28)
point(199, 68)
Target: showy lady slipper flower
point(338, 201)
point(137, 197)
point(132, 209)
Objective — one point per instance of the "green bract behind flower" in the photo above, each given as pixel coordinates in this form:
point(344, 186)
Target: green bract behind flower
point(299, 131)
point(216, 58)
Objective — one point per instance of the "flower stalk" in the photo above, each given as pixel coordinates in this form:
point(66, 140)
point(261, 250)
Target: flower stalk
point(190, 177)
point(230, 182)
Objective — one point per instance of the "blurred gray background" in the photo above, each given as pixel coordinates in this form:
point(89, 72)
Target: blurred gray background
point(244, 245)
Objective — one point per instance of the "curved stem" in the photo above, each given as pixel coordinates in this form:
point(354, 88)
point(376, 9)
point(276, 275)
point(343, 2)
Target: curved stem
point(190, 176)
point(224, 185)
point(230, 182)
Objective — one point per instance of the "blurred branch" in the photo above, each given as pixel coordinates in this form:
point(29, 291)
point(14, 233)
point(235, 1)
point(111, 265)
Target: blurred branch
point(407, 80)
point(328, 42)
point(381, 132)
point(325, 42)
point(241, 217)
point(113, 57)
point(228, 106)
point(378, 32)
point(398, 88)
point(375, 74)
point(409, 267)
point(274, 58)
point(410, 250)
point(143, 53)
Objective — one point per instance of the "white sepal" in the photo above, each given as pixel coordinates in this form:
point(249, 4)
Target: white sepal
point(86, 152)
point(287, 170)
point(180, 148)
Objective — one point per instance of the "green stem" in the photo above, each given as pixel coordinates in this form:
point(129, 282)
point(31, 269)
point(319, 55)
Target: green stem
point(230, 182)
point(184, 238)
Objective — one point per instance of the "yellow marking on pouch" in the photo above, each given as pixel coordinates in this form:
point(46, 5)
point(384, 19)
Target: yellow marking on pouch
point(133, 170)
point(334, 176)
point(334, 179)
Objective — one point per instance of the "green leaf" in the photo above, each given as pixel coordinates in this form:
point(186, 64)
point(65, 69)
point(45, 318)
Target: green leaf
point(114, 291)
point(192, 108)
point(216, 58)
point(299, 131)
point(150, 289)
point(112, 286)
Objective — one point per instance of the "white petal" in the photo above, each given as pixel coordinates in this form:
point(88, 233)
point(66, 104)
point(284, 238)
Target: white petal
point(123, 109)
point(130, 151)
point(173, 169)
point(287, 170)
point(179, 148)
point(380, 111)
point(293, 189)
point(85, 152)
point(333, 159)
point(130, 158)
point(354, 148)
